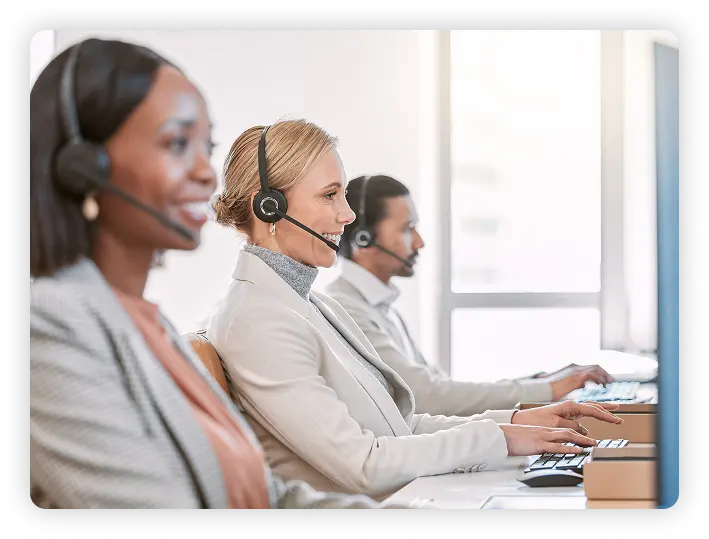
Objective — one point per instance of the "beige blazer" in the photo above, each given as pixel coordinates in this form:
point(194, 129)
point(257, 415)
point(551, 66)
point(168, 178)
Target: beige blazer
point(320, 415)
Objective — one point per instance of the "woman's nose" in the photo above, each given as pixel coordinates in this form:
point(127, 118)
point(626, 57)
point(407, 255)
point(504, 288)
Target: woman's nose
point(346, 216)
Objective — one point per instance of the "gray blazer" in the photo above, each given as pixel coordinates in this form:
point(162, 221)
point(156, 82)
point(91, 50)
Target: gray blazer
point(108, 426)
point(320, 415)
point(435, 392)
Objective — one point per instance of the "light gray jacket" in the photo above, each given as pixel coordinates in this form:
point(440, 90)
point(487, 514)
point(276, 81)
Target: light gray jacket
point(321, 415)
point(435, 392)
point(108, 426)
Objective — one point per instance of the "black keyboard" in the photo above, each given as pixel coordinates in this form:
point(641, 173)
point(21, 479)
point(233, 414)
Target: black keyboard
point(562, 461)
point(615, 391)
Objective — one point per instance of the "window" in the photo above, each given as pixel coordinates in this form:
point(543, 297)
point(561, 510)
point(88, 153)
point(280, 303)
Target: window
point(492, 344)
point(524, 207)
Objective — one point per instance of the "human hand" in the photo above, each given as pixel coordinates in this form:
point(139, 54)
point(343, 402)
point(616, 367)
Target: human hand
point(576, 377)
point(523, 440)
point(565, 415)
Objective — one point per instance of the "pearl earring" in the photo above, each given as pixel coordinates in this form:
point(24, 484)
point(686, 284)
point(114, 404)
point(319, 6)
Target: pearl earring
point(89, 208)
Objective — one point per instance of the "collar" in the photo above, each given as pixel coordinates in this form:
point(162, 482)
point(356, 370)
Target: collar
point(373, 290)
point(297, 275)
point(251, 268)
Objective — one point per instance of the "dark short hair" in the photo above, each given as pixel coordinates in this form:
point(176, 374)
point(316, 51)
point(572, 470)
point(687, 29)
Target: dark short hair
point(379, 189)
point(111, 79)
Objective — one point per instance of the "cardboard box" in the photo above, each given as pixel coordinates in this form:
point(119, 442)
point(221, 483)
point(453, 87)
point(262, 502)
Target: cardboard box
point(628, 473)
point(638, 423)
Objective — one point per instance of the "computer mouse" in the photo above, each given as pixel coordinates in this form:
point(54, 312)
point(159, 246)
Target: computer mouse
point(550, 478)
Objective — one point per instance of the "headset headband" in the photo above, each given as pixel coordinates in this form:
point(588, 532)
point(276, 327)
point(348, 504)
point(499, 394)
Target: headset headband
point(362, 201)
point(262, 161)
point(69, 116)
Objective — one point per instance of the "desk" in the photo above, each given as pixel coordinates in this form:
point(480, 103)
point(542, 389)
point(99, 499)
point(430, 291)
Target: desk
point(471, 490)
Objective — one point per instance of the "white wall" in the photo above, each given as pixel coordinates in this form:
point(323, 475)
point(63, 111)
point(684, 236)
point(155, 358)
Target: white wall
point(361, 86)
point(639, 185)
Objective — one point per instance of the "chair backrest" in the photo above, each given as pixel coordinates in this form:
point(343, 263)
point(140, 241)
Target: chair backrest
point(206, 352)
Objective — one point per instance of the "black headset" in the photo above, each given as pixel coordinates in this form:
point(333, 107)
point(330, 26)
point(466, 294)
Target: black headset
point(81, 166)
point(270, 205)
point(363, 236)
point(267, 196)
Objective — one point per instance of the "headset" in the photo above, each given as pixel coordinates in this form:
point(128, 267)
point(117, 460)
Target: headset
point(363, 236)
point(270, 205)
point(82, 166)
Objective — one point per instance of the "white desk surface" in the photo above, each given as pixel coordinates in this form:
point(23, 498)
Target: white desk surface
point(500, 489)
point(470, 490)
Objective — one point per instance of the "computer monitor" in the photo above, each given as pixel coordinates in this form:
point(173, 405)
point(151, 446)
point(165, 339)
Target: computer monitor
point(667, 156)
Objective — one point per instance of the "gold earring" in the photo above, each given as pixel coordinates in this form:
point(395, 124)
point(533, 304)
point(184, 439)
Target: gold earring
point(272, 229)
point(89, 208)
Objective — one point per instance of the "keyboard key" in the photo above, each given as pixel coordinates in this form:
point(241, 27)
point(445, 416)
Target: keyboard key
point(604, 443)
point(542, 466)
point(614, 391)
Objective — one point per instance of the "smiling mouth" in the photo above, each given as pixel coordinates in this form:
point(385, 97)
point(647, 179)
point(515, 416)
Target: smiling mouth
point(197, 212)
point(334, 238)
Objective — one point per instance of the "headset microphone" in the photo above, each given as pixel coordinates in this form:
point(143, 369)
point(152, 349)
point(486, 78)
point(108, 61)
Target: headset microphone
point(82, 166)
point(270, 205)
point(162, 219)
point(364, 237)
point(406, 261)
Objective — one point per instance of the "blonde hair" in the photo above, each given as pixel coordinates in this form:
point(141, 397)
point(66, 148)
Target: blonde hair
point(292, 148)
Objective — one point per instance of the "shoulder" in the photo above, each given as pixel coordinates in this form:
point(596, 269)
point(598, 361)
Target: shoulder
point(250, 316)
point(68, 321)
point(67, 299)
point(341, 289)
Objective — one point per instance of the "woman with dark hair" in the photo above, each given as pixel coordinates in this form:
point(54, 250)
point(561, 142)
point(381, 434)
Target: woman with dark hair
point(122, 414)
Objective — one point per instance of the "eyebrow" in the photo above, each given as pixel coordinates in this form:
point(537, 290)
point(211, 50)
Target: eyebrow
point(331, 185)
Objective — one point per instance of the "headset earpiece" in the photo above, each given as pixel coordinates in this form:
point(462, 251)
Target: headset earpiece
point(82, 167)
point(263, 200)
point(363, 238)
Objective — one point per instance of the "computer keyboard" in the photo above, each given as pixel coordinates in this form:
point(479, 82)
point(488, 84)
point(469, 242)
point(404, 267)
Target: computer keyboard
point(615, 391)
point(562, 461)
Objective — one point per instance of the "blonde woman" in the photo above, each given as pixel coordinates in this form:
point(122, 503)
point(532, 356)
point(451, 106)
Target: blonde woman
point(325, 407)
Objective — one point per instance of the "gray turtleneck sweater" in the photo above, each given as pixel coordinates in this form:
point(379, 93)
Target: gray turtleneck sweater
point(301, 278)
